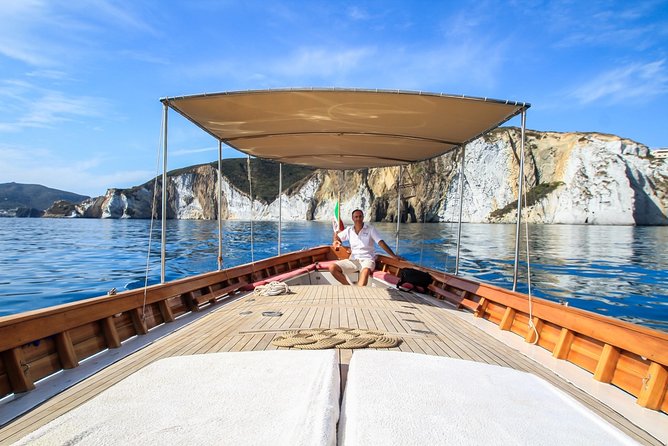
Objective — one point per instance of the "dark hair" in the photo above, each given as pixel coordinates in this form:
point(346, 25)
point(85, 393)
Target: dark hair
point(357, 210)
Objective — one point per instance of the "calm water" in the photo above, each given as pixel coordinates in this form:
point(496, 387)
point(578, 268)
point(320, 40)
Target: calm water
point(618, 271)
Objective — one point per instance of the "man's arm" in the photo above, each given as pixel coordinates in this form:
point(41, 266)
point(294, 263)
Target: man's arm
point(387, 249)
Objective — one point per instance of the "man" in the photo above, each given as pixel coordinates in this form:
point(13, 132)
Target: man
point(362, 256)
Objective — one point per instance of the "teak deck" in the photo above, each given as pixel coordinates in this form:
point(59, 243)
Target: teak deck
point(424, 324)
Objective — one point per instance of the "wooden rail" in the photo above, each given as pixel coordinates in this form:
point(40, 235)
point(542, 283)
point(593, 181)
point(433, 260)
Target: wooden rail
point(36, 344)
point(629, 356)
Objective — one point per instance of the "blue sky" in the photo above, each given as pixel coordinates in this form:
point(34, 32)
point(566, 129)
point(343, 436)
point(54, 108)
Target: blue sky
point(80, 81)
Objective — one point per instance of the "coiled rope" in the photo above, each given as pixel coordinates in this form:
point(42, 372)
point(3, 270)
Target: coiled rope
point(272, 289)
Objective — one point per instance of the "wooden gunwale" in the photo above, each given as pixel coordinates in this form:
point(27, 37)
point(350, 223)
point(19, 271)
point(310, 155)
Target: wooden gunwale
point(26, 331)
point(644, 351)
point(644, 371)
point(225, 328)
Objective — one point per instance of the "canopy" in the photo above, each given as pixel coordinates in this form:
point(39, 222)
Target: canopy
point(343, 128)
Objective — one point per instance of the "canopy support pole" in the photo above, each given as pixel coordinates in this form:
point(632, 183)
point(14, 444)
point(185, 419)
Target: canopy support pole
point(220, 205)
point(519, 203)
point(163, 240)
point(396, 244)
point(280, 204)
point(250, 194)
point(461, 208)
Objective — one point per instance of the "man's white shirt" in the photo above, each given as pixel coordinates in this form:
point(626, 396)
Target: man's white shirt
point(362, 244)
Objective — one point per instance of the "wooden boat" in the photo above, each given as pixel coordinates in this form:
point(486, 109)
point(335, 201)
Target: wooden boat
point(57, 359)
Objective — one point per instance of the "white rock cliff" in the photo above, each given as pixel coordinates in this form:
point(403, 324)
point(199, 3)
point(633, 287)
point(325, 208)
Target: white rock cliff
point(571, 178)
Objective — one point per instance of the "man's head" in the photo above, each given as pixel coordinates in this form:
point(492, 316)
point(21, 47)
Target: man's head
point(358, 215)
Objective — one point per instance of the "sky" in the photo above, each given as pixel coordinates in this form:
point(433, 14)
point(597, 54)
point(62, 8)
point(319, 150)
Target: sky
point(80, 81)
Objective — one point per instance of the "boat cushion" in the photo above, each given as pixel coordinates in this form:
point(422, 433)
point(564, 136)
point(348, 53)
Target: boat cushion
point(278, 278)
point(387, 277)
point(408, 398)
point(269, 397)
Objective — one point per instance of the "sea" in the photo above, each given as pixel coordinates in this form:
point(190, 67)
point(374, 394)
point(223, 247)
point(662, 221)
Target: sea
point(618, 271)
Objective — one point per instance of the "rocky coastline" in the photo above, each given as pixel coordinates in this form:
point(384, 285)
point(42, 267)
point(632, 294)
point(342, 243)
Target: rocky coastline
point(571, 178)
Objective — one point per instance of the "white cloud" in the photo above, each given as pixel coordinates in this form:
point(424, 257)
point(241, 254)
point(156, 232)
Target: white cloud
point(357, 13)
point(29, 106)
point(308, 62)
point(636, 82)
point(53, 34)
point(182, 152)
point(39, 166)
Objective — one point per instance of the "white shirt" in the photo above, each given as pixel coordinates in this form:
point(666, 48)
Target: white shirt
point(362, 244)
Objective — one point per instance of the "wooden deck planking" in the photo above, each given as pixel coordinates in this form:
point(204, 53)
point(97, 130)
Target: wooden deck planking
point(436, 332)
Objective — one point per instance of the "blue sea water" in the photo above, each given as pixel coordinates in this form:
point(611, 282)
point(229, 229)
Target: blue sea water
point(620, 271)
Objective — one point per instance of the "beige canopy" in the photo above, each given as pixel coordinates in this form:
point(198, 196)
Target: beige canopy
point(343, 128)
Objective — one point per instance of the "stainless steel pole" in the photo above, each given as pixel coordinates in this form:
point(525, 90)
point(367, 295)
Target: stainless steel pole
point(220, 205)
point(461, 208)
point(519, 204)
point(164, 195)
point(396, 244)
point(280, 206)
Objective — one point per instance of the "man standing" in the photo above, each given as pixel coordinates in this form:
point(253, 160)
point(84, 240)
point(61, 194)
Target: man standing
point(362, 256)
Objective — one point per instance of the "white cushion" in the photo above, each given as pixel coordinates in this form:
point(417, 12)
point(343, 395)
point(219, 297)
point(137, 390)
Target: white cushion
point(396, 398)
point(272, 397)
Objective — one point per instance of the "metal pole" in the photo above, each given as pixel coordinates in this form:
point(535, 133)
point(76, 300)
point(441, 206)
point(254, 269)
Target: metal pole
point(220, 205)
point(164, 195)
point(250, 194)
point(519, 204)
point(396, 244)
point(461, 207)
point(280, 206)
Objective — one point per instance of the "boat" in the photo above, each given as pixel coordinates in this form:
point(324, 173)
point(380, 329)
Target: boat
point(248, 353)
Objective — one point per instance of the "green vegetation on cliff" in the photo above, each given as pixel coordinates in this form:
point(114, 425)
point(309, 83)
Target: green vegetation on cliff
point(534, 195)
point(264, 174)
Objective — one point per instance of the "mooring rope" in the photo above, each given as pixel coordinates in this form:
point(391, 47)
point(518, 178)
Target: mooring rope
point(150, 231)
point(531, 324)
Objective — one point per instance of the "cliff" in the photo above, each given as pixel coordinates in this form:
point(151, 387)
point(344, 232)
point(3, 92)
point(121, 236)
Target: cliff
point(571, 178)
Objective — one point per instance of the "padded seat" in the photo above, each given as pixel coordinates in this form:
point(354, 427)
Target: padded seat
point(396, 398)
point(267, 397)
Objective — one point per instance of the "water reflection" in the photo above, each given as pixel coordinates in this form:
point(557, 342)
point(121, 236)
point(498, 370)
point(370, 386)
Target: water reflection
point(619, 271)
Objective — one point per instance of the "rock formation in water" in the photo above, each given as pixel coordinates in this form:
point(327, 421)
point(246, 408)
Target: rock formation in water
point(571, 178)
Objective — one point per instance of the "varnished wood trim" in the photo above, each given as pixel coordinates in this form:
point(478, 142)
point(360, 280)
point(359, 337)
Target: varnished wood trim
point(110, 332)
point(531, 334)
point(66, 353)
point(17, 371)
point(653, 390)
point(507, 319)
point(166, 311)
point(563, 345)
point(482, 307)
point(607, 363)
point(138, 321)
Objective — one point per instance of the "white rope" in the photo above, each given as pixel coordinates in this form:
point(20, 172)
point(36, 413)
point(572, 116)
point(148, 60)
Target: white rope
point(150, 230)
point(532, 326)
point(272, 289)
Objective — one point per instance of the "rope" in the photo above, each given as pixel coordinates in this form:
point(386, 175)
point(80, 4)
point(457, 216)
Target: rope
point(531, 325)
point(150, 230)
point(272, 289)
